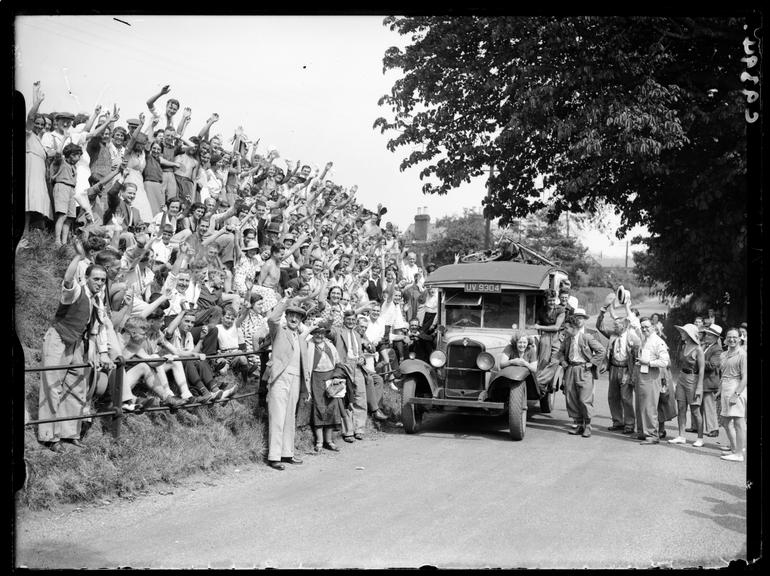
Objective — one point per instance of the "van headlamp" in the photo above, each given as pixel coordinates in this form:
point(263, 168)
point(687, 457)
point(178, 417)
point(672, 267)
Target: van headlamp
point(485, 361)
point(437, 359)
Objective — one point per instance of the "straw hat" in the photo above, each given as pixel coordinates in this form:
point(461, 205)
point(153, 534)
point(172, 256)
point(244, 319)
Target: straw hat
point(689, 330)
point(622, 295)
point(714, 329)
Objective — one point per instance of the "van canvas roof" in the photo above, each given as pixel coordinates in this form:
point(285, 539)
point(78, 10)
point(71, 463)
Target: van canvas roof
point(510, 275)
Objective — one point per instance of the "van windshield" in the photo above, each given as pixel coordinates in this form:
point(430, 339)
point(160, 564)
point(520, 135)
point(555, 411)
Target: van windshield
point(487, 310)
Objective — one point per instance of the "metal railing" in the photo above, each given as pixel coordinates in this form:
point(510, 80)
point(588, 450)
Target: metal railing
point(117, 389)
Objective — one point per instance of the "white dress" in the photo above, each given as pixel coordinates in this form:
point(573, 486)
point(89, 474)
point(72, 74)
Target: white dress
point(135, 166)
point(36, 198)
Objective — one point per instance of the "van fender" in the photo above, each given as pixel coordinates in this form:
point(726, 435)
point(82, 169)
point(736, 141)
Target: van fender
point(422, 372)
point(507, 377)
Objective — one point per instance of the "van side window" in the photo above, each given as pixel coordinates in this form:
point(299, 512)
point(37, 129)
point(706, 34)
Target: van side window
point(501, 310)
point(531, 318)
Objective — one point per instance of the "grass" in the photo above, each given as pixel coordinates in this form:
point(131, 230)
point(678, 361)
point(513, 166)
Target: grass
point(153, 447)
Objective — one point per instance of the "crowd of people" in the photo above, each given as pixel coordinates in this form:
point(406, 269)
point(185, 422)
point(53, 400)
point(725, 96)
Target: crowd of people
point(642, 394)
point(195, 248)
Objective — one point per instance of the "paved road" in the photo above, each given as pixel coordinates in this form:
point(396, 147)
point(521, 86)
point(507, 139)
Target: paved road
point(459, 494)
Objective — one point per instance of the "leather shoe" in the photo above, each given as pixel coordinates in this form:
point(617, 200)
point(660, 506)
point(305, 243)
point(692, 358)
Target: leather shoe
point(662, 434)
point(291, 460)
point(379, 415)
point(614, 428)
point(587, 432)
point(690, 430)
point(358, 436)
point(348, 439)
point(649, 441)
point(577, 431)
point(713, 434)
point(628, 431)
point(275, 465)
point(331, 446)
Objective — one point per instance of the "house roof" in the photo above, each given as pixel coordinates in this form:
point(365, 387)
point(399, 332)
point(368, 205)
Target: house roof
point(509, 274)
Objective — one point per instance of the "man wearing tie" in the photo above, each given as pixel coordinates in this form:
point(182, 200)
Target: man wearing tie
point(80, 323)
point(580, 355)
point(289, 381)
point(348, 343)
point(619, 362)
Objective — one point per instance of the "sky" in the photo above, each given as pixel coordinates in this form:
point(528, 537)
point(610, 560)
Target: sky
point(306, 85)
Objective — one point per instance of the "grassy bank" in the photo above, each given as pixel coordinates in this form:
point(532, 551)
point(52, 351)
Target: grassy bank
point(153, 447)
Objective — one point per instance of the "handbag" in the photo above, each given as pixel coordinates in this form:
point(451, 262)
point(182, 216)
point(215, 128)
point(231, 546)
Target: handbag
point(336, 388)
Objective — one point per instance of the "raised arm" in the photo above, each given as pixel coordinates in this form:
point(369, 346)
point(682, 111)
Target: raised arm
point(101, 127)
point(169, 331)
point(135, 134)
point(37, 100)
point(186, 115)
point(599, 321)
point(91, 119)
point(204, 133)
point(152, 99)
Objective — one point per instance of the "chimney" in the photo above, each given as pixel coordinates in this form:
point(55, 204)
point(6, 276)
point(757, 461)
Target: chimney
point(421, 225)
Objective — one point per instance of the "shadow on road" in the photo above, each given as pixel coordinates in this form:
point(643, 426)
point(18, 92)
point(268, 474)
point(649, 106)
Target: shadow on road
point(728, 521)
point(730, 515)
point(731, 489)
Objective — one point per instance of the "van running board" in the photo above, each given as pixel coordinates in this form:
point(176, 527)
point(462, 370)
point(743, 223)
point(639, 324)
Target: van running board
point(459, 403)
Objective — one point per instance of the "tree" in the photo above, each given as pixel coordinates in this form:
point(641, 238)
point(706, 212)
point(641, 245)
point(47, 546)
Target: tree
point(644, 115)
point(567, 251)
point(457, 234)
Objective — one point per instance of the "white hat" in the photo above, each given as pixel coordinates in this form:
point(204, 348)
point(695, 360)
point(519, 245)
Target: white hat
point(690, 330)
point(580, 312)
point(714, 329)
point(622, 295)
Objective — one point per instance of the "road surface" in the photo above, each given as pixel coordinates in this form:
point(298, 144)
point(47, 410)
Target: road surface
point(458, 495)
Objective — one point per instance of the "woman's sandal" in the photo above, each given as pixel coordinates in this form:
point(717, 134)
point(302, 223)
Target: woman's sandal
point(331, 446)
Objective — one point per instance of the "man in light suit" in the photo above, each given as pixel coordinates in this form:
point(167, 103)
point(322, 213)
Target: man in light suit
point(348, 343)
point(580, 355)
point(289, 381)
point(652, 357)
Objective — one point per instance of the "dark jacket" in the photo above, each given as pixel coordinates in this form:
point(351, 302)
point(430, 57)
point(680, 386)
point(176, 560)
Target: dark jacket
point(711, 375)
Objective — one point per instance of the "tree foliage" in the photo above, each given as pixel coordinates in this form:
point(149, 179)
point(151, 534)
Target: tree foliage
point(641, 114)
point(465, 234)
point(457, 235)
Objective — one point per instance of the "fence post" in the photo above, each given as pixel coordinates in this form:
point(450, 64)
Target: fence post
point(117, 397)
